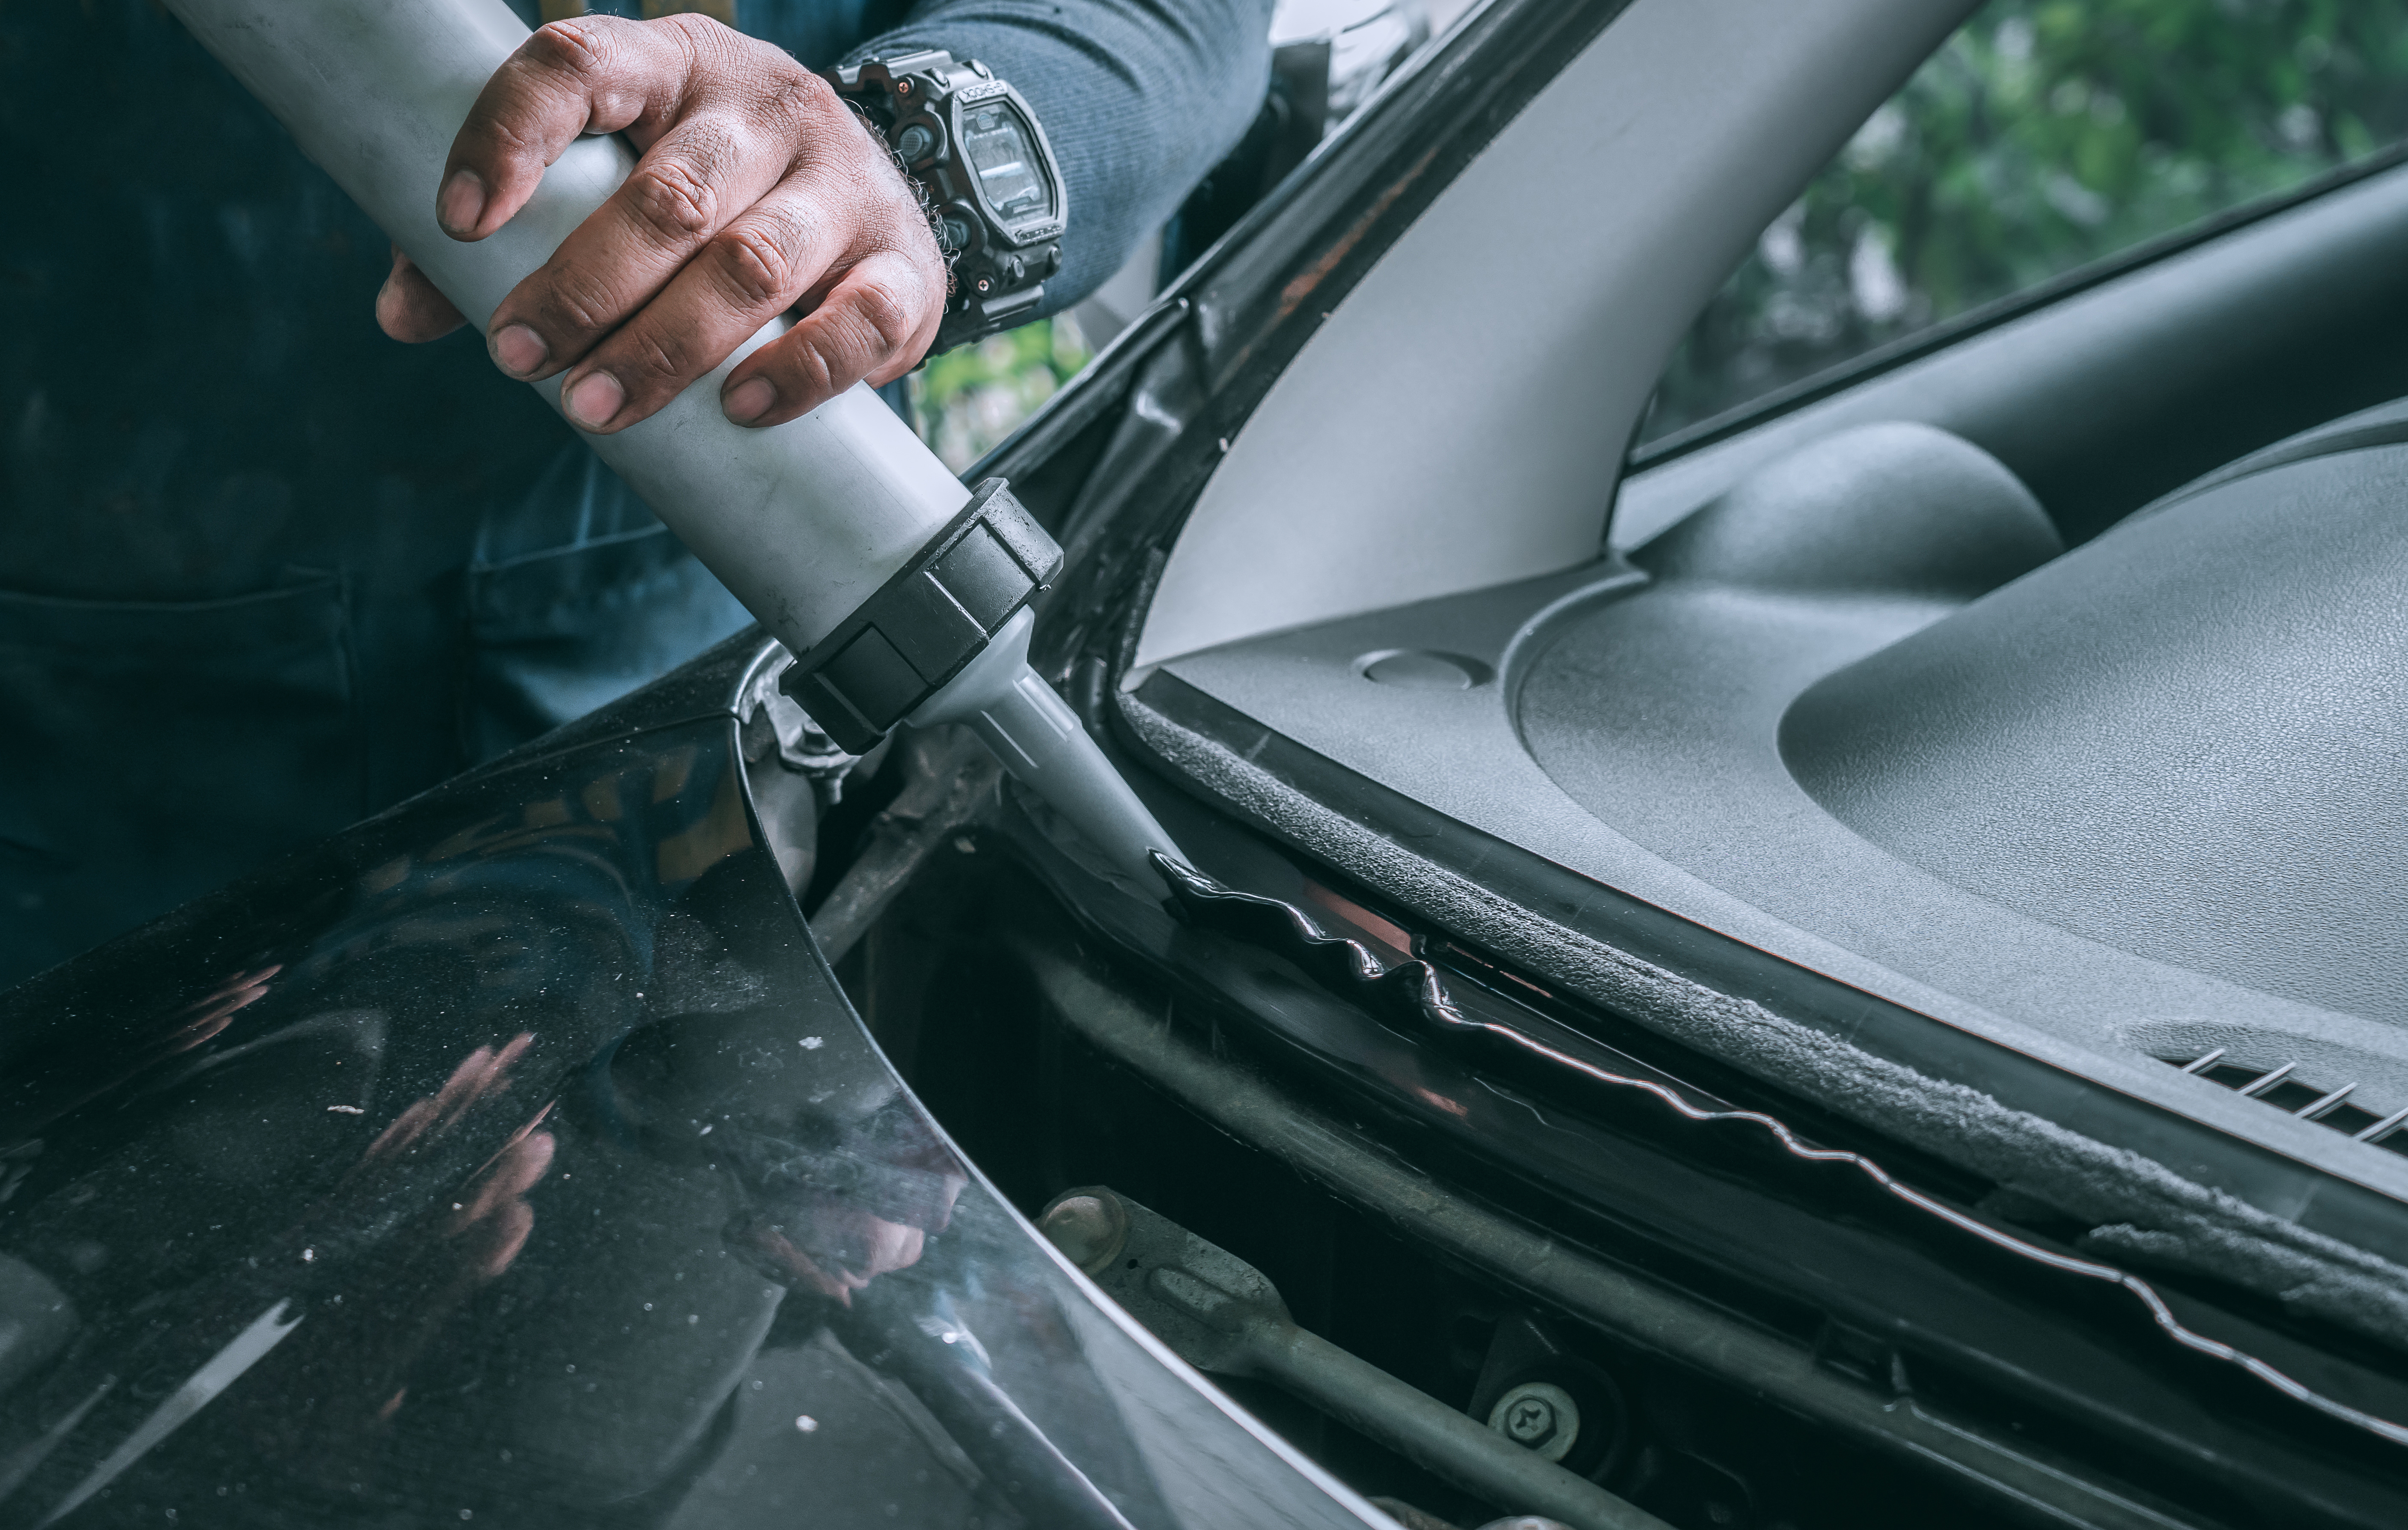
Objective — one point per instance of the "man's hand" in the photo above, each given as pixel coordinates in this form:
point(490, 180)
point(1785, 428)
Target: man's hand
point(759, 192)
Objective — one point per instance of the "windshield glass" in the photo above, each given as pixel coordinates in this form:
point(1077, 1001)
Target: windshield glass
point(2044, 136)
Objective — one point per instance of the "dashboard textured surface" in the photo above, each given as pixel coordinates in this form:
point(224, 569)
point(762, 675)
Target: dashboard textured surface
point(1645, 730)
point(2182, 740)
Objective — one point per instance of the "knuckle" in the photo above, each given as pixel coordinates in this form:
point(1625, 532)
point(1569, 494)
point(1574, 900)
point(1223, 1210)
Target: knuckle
point(654, 357)
point(510, 138)
point(697, 28)
point(716, 47)
point(577, 305)
point(810, 91)
point(887, 313)
point(816, 104)
point(806, 368)
point(779, 111)
point(578, 46)
point(709, 53)
point(675, 200)
point(758, 267)
point(804, 101)
point(820, 371)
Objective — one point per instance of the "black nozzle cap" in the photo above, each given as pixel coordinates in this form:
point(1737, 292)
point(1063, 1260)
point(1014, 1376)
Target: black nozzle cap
point(902, 644)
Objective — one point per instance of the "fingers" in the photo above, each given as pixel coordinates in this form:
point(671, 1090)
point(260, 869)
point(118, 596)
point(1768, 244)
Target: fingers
point(758, 267)
point(496, 1213)
point(514, 1173)
point(890, 1247)
point(484, 1071)
point(463, 1087)
point(703, 175)
point(507, 1236)
point(406, 1129)
point(235, 985)
point(758, 191)
point(873, 325)
point(408, 307)
point(480, 1073)
point(597, 74)
point(727, 120)
point(520, 1136)
point(511, 1052)
point(210, 1025)
point(206, 1016)
point(805, 1271)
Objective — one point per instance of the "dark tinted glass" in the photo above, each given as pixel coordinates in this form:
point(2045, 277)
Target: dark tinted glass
point(2045, 135)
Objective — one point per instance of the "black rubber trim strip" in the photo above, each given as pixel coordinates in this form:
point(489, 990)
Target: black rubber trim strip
point(1414, 981)
point(2326, 1204)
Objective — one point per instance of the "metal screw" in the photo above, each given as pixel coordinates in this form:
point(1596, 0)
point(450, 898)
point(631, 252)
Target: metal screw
point(1530, 1421)
point(1540, 1416)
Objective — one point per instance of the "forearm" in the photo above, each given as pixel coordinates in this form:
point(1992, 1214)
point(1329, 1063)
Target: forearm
point(1139, 98)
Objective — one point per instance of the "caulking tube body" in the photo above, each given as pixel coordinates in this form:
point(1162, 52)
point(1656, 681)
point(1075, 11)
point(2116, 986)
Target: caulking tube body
point(802, 521)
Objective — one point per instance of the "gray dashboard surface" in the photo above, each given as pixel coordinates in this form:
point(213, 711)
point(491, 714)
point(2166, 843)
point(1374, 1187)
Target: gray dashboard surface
point(2052, 814)
point(2186, 740)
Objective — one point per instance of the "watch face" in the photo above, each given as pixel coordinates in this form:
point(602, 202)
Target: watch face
point(1003, 152)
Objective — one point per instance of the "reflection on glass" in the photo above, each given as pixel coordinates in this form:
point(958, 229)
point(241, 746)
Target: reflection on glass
point(512, 1160)
point(1000, 149)
point(2041, 137)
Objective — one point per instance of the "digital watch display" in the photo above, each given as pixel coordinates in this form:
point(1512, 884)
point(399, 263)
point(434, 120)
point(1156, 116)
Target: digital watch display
point(972, 142)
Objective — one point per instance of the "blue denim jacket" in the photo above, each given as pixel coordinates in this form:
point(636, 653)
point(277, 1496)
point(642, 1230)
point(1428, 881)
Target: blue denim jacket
point(263, 571)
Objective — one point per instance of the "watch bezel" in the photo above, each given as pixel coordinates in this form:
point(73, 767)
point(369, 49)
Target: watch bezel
point(1001, 266)
point(1025, 232)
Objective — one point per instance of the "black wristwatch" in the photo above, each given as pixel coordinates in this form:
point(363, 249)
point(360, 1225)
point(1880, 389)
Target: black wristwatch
point(971, 140)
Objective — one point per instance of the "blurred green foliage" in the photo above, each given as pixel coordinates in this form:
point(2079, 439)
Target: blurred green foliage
point(966, 401)
point(2045, 135)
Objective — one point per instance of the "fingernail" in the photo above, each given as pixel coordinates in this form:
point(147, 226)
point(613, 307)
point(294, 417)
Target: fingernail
point(519, 351)
point(594, 398)
point(463, 202)
point(749, 400)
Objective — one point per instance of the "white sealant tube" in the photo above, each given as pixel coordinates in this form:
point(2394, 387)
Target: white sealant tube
point(1039, 738)
point(802, 521)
